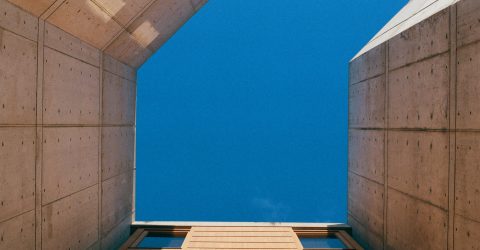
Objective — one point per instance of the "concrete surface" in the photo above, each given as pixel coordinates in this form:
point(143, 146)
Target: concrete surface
point(424, 157)
point(67, 116)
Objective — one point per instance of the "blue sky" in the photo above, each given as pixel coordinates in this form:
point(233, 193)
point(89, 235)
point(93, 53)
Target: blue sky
point(242, 115)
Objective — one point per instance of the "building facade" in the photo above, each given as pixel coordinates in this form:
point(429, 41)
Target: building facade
point(414, 120)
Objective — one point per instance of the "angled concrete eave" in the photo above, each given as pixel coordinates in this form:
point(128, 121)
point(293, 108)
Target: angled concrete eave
point(414, 12)
point(128, 30)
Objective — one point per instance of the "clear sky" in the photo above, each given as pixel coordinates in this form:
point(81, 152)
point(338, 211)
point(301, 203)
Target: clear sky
point(242, 115)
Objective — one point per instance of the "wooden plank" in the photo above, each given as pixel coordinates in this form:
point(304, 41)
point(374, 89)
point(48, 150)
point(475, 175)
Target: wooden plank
point(242, 229)
point(243, 234)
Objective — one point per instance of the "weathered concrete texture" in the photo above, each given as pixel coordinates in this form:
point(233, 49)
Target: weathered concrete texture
point(428, 38)
point(72, 222)
point(63, 42)
point(467, 176)
point(468, 26)
point(367, 103)
point(365, 154)
point(16, 20)
point(67, 111)
point(413, 224)
point(19, 232)
point(17, 171)
point(468, 87)
point(365, 203)
point(70, 161)
point(369, 65)
point(117, 150)
point(418, 164)
point(118, 235)
point(118, 100)
point(71, 91)
point(418, 94)
point(432, 122)
point(18, 73)
point(364, 237)
point(467, 234)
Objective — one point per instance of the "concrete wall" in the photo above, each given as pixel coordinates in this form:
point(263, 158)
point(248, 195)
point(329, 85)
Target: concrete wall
point(67, 116)
point(67, 126)
point(414, 140)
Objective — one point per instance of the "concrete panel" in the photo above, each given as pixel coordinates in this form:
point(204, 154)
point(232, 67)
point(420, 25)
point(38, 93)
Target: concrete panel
point(123, 10)
point(114, 66)
point(368, 65)
point(118, 145)
point(418, 164)
point(36, 7)
point(418, 94)
point(70, 161)
point(160, 21)
point(19, 232)
point(85, 20)
point(364, 237)
point(367, 103)
point(365, 154)
point(468, 24)
point(430, 37)
point(18, 21)
point(468, 87)
point(197, 4)
point(118, 235)
point(72, 222)
point(118, 100)
point(71, 90)
point(365, 203)
point(467, 176)
point(126, 49)
point(18, 78)
point(17, 171)
point(413, 224)
point(467, 234)
point(116, 200)
point(60, 40)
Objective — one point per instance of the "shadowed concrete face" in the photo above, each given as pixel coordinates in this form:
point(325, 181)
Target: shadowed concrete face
point(67, 116)
point(413, 176)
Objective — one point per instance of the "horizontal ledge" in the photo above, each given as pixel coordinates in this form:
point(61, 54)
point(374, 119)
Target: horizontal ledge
point(239, 224)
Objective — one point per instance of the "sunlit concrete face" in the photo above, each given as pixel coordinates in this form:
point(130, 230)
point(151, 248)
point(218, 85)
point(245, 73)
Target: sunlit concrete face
point(67, 116)
point(413, 130)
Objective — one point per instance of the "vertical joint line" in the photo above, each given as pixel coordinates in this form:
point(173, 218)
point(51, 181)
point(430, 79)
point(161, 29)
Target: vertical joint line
point(100, 121)
point(452, 126)
point(39, 134)
point(385, 148)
